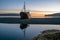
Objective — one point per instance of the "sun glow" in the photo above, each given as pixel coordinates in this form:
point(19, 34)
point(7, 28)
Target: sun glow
point(39, 14)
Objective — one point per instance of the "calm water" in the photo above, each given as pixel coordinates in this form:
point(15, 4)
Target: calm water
point(23, 31)
point(31, 17)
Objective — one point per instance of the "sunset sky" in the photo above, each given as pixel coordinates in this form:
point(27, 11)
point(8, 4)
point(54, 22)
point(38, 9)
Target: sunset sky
point(37, 5)
point(41, 5)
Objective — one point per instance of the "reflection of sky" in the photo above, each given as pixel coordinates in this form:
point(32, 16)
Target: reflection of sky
point(13, 31)
point(31, 4)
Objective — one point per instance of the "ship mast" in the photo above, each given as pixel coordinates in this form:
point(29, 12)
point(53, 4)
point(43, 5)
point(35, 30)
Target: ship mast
point(24, 8)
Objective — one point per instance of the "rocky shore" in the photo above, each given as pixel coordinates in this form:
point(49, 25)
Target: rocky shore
point(48, 35)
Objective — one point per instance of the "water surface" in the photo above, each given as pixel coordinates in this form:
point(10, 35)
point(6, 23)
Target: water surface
point(23, 31)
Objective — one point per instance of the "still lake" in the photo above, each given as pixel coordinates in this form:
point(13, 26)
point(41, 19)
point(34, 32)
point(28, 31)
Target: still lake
point(23, 31)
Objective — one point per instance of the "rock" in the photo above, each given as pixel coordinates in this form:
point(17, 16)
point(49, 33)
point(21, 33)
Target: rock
point(48, 35)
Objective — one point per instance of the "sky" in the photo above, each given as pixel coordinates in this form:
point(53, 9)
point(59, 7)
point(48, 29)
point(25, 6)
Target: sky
point(39, 5)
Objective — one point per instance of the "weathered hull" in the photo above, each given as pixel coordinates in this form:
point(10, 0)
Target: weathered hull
point(24, 15)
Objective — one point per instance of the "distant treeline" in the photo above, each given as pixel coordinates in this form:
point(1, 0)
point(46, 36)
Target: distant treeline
point(9, 14)
point(55, 14)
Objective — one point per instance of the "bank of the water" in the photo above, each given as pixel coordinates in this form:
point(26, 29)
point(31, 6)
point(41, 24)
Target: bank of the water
point(31, 21)
point(49, 35)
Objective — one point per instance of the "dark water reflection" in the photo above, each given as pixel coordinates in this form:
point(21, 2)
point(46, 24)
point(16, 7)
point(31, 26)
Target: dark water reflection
point(23, 31)
point(23, 27)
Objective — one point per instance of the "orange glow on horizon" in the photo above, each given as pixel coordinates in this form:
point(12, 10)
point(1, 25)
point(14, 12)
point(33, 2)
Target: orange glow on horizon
point(36, 15)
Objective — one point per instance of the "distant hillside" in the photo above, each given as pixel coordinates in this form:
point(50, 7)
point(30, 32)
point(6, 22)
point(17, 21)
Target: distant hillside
point(56, 14)
point(9, 14)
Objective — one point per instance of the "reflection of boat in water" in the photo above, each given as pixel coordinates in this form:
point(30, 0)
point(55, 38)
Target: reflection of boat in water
point(24, 14)
point(23, 27)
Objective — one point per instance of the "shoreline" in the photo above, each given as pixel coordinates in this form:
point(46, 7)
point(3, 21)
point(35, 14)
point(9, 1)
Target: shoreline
point(31, 21)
